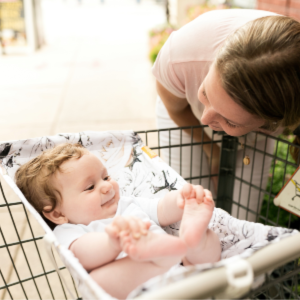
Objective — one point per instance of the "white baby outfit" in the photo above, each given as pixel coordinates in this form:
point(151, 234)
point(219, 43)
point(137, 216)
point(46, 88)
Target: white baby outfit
point(142, 208)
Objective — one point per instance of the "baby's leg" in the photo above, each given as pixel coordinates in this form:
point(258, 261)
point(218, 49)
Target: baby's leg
point(161, 249)
point(120, 277)
point(203, 244)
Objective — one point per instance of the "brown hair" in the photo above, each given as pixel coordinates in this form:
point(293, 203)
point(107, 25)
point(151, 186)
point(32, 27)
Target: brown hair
point(34, 177)
point(259, 66)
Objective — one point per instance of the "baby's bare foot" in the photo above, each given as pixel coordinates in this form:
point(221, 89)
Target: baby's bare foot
point(198, 210)
point(162, 249)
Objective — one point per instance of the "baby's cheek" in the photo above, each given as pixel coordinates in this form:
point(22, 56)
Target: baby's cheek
point(92, 209)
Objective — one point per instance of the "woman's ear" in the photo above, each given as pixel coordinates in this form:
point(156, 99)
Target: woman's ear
point(55, 215)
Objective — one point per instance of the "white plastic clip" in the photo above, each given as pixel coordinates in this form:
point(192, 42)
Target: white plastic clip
point(240, 278)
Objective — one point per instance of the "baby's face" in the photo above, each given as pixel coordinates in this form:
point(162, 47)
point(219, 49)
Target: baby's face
point(88, 193)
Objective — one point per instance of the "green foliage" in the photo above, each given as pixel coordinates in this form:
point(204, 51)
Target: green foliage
point(158, 37)
point(280, 172)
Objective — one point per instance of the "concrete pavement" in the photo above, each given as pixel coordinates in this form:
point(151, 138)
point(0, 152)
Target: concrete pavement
point(93, 74)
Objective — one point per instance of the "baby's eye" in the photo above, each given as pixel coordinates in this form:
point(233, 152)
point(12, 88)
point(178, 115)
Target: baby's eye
point(106, 178)
point(90, 188)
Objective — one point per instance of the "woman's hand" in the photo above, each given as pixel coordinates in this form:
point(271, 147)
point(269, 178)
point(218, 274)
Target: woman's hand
point(181, 113)
point(214, 163)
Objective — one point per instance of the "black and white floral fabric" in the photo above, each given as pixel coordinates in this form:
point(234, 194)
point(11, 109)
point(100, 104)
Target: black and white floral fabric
point(138, 175)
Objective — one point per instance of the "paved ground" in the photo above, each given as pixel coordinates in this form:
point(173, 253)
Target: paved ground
point(93, 74)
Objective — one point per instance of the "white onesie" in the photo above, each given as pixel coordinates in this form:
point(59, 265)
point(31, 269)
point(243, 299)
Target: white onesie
point(143, 208)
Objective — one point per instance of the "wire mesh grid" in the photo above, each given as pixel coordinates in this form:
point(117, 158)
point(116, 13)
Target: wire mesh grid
point(26, 272)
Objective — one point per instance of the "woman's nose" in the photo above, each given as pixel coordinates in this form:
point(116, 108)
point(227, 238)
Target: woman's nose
point(209, 115)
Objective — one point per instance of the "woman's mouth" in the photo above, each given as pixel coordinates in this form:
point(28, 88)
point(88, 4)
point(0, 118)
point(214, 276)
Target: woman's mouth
point(217, 128)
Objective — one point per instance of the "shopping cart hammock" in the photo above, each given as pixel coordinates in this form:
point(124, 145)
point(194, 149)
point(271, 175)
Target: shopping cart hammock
point(141, 173)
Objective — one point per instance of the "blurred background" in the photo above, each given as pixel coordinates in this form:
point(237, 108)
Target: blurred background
point(74, 65)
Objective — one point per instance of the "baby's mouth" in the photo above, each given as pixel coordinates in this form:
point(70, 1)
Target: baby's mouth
point(110, 200)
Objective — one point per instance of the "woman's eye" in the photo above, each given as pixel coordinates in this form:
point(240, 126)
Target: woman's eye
point(90, 188)
point(106, 178)
point(231, 125)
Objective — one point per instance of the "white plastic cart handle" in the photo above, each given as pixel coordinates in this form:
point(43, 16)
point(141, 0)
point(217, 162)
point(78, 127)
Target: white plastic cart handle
point(240, 278)
point(49, 241)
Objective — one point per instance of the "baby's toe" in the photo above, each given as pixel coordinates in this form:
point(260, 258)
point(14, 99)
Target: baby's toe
point(208, 198)
point(200, 193)
point(188, 191)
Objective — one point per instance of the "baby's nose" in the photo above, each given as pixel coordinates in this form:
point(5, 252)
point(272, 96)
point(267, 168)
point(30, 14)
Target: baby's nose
point(105, 188)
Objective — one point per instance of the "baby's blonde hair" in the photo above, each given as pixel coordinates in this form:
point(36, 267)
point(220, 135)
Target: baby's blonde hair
point(34, 177)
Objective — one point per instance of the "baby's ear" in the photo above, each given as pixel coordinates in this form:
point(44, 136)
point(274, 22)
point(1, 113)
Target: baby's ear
point(55, 215)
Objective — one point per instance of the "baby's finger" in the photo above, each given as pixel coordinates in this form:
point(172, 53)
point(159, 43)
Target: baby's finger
point(143, 227)
point(121, 224)
point(148, 224)
point(112, 231)
point(134, 228)
point(124, 239)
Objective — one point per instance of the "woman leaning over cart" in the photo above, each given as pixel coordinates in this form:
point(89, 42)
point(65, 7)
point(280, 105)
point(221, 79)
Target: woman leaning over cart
point(237, 71)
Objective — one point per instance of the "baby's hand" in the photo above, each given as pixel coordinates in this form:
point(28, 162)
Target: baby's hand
point(190, 191)
point(127, 225)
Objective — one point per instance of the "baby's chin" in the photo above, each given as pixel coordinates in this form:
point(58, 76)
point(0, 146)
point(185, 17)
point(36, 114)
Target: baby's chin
point(114, 205)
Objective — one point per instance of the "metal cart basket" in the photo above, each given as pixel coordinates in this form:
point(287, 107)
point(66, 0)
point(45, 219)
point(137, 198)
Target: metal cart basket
point(27, 273)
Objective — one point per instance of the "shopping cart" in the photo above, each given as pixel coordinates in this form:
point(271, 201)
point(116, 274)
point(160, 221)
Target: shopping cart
point(27, 272)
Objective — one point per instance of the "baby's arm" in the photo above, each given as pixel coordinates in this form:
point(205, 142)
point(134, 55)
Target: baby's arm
point(96, 249)
point(170, 207)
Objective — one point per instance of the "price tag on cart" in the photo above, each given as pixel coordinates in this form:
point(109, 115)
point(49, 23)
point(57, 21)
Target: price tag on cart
point(289, 196)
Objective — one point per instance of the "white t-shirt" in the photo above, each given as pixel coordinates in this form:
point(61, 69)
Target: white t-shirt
point(143, 208)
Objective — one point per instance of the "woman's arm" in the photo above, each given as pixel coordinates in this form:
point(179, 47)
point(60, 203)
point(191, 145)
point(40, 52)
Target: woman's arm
point(181, 113)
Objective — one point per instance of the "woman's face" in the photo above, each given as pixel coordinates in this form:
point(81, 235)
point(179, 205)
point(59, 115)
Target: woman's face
point(221, 113)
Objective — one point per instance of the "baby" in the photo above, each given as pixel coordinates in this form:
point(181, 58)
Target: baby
point(118, 240)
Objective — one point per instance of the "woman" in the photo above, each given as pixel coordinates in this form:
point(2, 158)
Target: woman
point(236, 71)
